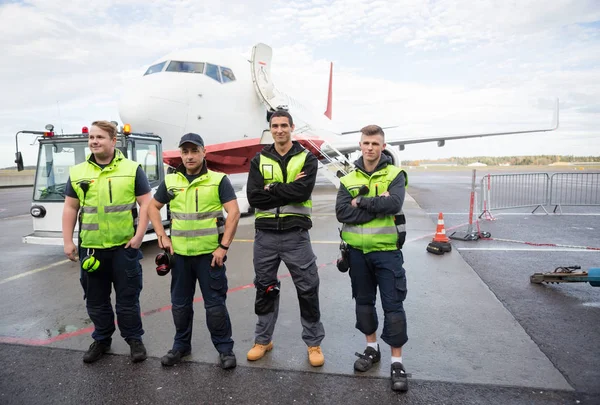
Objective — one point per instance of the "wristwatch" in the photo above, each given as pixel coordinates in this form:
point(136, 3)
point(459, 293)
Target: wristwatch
point(359, 199)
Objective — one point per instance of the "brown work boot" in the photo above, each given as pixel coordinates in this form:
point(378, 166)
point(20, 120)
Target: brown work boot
point(315, 356)
point(258, 351)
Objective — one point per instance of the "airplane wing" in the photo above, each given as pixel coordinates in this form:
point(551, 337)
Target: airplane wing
point(442, 139)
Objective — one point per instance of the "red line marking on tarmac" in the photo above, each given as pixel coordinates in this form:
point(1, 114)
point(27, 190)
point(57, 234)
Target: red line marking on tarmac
point(90, 329)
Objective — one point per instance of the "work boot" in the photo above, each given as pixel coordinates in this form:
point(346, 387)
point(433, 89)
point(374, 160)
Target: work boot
point(227, 360)
point(173, 357)
point(315, 356)
point(399, 377)
point(138, 350)
point(96, 350)
point(366, 360)
point(258, 351)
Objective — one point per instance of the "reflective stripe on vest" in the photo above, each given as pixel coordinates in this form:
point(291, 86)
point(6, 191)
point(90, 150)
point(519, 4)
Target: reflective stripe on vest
point(106, 207)
point(196, 211)
point(381, 233)
point(271, 172)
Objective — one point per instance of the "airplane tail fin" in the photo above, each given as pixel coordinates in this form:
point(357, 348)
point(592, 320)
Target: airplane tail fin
point(330, 95)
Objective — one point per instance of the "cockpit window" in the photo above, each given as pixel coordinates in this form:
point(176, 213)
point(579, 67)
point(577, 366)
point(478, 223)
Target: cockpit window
point(186, 67)
point(155, 68)
point(213, 71)
point(227, 75)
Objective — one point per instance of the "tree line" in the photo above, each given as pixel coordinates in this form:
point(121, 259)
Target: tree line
point(503, 160)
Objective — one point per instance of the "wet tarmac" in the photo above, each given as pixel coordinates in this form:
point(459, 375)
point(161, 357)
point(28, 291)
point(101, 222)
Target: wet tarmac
point(479, 332)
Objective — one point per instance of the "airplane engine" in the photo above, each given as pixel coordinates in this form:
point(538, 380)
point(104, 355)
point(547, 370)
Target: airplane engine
point(394, 154)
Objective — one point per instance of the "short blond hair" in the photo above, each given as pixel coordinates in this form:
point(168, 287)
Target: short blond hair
point(106, 126)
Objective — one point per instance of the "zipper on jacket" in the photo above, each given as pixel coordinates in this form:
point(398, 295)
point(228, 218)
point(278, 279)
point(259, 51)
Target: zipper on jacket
point(196, 199)
point(110, 190)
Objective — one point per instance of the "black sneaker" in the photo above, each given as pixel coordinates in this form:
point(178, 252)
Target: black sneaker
point(366, 360)
point(227, 360)
point(138, 350)
point(96, 350)
point(173, 357)
point(399, 377)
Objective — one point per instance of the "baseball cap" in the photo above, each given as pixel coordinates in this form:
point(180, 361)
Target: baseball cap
point(191, 138)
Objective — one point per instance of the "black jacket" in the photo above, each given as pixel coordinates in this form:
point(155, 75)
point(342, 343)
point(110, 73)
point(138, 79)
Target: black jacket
point(369, 207)
point(281, 193)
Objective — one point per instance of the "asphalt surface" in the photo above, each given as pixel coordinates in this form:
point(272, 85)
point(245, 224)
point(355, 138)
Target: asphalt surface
point(561, 320)
point(32, 375)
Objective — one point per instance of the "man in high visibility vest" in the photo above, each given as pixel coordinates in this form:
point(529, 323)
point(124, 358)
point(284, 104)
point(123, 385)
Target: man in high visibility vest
point(280, 183)
point(200, 238)
point(369, 205)
point(106, 188)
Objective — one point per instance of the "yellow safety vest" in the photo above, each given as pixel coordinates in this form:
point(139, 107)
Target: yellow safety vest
point(196, 213)
point(382, 233)
point(272, 173)
point(106, 216)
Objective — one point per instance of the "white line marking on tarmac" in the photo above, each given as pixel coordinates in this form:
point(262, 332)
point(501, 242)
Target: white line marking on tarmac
point(15, 217)
point(27, 273)
point(529, 250)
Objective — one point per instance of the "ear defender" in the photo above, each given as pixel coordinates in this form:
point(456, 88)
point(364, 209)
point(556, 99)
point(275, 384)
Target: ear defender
point(90, 263)
point(163, 264)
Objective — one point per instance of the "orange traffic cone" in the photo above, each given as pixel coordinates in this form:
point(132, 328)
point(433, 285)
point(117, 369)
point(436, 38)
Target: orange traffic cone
point(440, 233)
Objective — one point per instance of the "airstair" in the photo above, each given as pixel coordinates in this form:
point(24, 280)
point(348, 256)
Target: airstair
point(336, 165)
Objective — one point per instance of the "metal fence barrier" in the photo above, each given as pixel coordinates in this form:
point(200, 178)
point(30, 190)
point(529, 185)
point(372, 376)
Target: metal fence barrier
point(579, 189)
point(505, 191)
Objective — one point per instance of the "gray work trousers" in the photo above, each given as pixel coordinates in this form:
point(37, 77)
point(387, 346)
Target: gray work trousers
point(294, 248)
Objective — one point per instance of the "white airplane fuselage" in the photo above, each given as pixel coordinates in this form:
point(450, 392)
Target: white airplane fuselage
point(171, 104)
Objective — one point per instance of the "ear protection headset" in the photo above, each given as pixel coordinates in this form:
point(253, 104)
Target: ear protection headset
point(89, 262)
point(163, 263)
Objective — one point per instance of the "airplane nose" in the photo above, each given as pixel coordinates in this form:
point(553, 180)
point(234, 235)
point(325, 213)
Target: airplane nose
point(150, 107)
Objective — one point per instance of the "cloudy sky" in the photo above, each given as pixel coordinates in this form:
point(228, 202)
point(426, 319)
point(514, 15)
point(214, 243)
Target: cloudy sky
point(430, 67)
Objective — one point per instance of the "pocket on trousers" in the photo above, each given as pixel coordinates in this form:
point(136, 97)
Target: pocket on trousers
point(401, 289)
point(132, 265)
point(217, 278)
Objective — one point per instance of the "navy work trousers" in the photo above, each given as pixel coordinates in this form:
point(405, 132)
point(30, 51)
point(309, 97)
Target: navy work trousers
point(213, 284)
point(119, 267)
point(383, 269)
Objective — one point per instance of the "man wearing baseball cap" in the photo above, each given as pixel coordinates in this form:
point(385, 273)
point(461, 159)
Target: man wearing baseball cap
point(200, 238)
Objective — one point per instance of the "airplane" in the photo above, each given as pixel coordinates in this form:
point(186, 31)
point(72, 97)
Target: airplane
point(228, 100)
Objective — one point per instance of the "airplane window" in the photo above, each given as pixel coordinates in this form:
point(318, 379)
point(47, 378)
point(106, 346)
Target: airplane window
point(155, 68)
point(213, 71)
point(227, 75)
point(186, 67)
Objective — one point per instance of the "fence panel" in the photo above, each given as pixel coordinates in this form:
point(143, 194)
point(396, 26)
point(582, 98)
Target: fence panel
point(504, 191)
point(581, 189)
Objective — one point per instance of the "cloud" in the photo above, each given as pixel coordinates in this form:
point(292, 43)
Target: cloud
point(430, 66)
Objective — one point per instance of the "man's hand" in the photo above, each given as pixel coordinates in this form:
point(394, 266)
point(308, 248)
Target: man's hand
point(299, 176)
point(164, 242)
point(134, 242)
point(71, 251)
point(354, 203)
point(218, 256)
point(385, 194)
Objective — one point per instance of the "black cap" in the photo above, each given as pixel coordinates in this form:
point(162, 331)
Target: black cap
point(191, 138)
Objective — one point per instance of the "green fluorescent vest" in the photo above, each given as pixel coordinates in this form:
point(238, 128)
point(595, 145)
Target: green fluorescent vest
point(272, 173)
point(106, 208)
point(380, 234)
point(195, 210)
